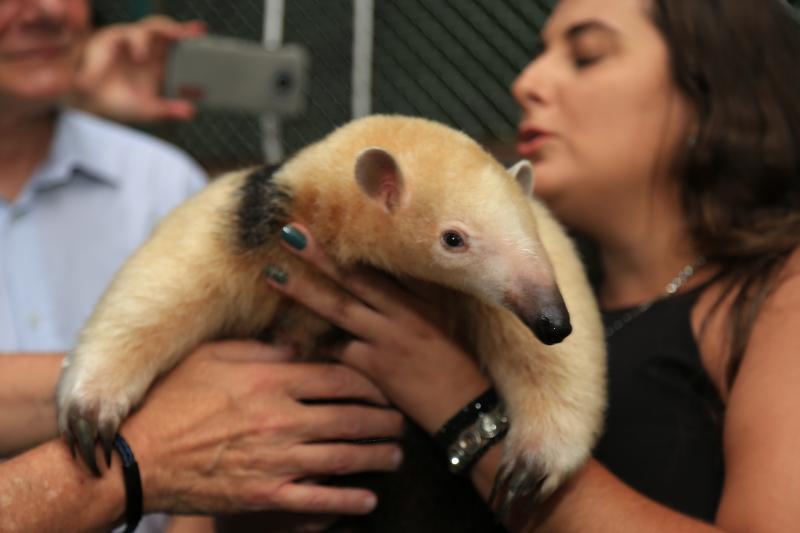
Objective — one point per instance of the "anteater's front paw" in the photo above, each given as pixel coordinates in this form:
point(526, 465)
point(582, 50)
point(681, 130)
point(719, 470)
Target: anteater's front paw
point(88, 412)
point(534, 465)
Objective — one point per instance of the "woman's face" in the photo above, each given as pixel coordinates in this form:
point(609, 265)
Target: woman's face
point(601, 118)
point(40, 46)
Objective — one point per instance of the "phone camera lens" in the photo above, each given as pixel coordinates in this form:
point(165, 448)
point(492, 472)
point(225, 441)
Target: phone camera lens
point(284, 81)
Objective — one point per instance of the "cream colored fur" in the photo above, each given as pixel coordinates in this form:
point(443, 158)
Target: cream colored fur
point(192, 282)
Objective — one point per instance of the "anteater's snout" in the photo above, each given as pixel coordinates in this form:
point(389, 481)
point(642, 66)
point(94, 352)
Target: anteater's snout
point(552, 327)
point(543, 310)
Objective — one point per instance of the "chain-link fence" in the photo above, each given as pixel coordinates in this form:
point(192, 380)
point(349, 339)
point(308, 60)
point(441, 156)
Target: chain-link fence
point(449, 60)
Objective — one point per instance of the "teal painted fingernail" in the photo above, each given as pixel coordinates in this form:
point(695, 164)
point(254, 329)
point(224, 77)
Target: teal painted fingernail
point(293, 237)
point(276, 274)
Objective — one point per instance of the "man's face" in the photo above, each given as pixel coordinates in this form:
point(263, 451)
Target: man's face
point(40, 46)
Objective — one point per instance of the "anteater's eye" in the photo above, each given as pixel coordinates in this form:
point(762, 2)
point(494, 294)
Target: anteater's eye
point(453, 240)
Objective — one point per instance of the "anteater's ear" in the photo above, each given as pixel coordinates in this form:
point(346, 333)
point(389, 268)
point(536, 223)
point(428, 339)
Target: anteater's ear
point(523, 173)
point(379, 176)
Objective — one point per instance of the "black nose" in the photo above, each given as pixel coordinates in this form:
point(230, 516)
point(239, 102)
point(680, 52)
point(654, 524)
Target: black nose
point(543, 310)
point(552, 329)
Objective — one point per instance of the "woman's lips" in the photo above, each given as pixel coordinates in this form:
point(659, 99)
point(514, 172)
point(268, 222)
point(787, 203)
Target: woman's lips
point(531, 140)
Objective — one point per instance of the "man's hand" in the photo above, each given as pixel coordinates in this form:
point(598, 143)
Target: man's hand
point(231, 429)
point(122, 71)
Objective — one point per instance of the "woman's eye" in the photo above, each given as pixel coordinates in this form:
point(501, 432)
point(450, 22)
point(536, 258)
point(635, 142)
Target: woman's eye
point(451, 239)
point(583, 62)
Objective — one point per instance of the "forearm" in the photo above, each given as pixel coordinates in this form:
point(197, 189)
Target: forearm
point(593, 500)
point(191, 524)
point(45, 489)
point(27, 396)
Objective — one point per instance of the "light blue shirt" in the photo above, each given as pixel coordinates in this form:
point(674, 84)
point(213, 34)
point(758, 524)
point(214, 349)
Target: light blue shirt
point(95, 198)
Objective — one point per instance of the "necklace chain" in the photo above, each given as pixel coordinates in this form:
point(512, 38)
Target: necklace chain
point(671, 288)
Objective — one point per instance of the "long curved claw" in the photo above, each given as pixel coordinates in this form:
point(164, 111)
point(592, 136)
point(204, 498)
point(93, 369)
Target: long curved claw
point(70, 442)
point(498, 487)
point(108, 432)
point(91, 416)
point(85, 433)
point(525, 483)
point(516, 480)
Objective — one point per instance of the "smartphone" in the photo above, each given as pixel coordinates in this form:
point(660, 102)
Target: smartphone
point(233, 74)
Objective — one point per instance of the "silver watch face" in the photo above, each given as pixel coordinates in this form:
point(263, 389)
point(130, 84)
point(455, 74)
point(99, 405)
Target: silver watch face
point(470, 441)
point(489, 426)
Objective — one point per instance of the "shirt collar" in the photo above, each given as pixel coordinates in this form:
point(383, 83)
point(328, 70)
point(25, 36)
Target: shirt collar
point(77, 150)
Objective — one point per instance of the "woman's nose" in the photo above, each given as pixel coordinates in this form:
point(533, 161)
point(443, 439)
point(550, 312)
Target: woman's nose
point(529, 88)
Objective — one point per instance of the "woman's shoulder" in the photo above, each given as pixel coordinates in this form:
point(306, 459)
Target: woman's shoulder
point(775, 327)
point(792, 267)
point(761, 429)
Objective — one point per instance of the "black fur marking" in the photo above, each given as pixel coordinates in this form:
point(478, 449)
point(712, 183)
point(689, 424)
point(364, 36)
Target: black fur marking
point(263, 208)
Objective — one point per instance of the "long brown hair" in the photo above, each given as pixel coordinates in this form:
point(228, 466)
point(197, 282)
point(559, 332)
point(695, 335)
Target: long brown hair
point(738, 63)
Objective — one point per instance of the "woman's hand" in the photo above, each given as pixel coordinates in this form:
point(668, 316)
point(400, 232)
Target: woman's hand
point(398, 343)
point(122, 71)
point(229, 430)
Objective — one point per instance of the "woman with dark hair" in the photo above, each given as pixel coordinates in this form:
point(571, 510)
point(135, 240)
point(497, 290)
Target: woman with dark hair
point(668, 133)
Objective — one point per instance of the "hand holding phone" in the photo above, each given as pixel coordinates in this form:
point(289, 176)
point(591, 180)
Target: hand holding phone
point(121, 71)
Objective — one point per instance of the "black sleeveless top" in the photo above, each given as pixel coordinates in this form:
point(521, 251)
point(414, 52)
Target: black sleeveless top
point(663, 431)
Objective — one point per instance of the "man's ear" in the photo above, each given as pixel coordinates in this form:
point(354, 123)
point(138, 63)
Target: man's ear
point(379, 176)
point(523, 173)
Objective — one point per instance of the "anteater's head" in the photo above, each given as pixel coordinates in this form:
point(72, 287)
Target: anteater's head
point(442, 210)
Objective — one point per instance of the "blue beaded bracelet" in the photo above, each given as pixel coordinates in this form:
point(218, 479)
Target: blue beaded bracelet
point(133, 484)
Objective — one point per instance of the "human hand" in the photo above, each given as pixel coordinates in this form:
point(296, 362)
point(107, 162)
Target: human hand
point(400, 344)
point(228, 430)
point(122, 70)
